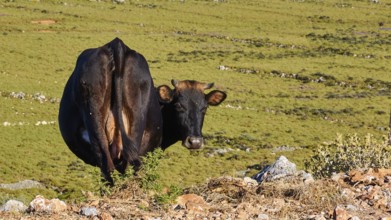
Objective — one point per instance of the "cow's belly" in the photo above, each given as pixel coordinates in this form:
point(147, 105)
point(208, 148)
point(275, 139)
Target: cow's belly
point(113, 134)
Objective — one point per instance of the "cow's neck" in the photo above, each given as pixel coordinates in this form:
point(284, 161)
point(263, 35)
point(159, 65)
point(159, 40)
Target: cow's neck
point(171, 133)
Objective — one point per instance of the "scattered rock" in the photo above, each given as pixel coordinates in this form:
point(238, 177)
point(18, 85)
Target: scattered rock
point(39, 97)
point(263, 217)
point(221, 67)
point(340, 214)
point(89, 211)
point(13, 206)
point(337, 176)
point(250, 181)
point(351, 208)
point(6, 123)
point(40, 204)
point(222, 151)
point(192, 202)
point(105, 216)
point(284, 148)
point(370, 176)
point(306, 177)
point(25, 184)
point(282, 168)
point(17, 95)
point(279, 169)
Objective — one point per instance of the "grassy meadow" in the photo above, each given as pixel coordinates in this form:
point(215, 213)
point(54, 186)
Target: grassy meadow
point(296, 74)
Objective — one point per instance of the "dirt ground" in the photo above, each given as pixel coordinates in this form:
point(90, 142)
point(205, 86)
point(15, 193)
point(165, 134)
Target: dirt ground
point(356, 195)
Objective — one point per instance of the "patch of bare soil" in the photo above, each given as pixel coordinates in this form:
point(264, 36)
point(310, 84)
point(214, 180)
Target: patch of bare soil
point(44, 22)
point(356, 195)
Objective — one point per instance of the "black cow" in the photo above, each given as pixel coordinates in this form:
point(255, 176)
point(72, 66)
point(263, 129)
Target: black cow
point(110, 113)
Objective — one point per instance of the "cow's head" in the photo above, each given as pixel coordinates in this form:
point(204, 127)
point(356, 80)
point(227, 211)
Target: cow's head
point(188, 104)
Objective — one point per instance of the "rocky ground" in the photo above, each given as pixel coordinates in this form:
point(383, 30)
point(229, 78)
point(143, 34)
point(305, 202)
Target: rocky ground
point(359, 194)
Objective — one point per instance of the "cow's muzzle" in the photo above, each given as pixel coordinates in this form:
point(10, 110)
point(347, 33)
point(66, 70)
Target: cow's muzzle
point(193, 142)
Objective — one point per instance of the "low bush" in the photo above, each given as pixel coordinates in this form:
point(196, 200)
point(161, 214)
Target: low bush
point(148, 173)
point(347, 153)
point(149, 179)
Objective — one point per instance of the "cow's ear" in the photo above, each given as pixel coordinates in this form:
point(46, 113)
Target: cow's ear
point(215, 97)
point(165, 94)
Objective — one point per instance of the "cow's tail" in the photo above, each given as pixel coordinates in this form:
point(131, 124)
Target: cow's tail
point(130, 152)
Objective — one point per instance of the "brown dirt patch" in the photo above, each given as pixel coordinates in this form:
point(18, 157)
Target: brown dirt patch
point(44, 22)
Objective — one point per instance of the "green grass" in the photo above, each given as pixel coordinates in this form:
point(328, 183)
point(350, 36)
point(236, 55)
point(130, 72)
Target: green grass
point(276, 52)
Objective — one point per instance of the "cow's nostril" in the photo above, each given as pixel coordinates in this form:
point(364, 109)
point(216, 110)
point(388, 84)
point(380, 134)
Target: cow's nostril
point(194, 140)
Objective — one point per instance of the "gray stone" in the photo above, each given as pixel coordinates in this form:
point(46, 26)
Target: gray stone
point(25, 184)
point(89, 211)
point(351, 208)
point(283, 148)
point(13, 206)
point(40, 204)
point(307, 177)
point(250, 181)
point(18, 95)
point(279, 169)
point(263, 217)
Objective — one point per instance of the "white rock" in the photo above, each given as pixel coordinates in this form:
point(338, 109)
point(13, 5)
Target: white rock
point(89, 211)
point(279, 169)
point(13, 206)
point(40, 204)
point(25, 184)
point(250, 181)
point(263, 216)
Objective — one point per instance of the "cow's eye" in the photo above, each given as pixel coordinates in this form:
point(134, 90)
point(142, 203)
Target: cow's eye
point(179, 107)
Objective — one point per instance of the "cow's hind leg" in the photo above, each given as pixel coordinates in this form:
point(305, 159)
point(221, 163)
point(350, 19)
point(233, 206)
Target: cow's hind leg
point(106, 174)
point(121, 165)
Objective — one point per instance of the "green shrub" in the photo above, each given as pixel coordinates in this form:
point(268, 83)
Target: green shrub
point(347, 153)
point(149, 179)
point(148, 173)
point(167, 197)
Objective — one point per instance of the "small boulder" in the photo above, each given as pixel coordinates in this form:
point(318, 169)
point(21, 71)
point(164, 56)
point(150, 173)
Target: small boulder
point(192, 202)
point(263, 216)
point(279, 169)
point(13, 206)
point(106, 216)
point(40, 204)
point(24, 184)
point(340, 213)
point(250, 181)
point(89, 211)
